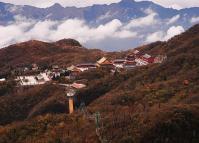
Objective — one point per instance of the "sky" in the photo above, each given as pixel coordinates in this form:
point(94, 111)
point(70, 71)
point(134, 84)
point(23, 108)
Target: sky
point(178, 4)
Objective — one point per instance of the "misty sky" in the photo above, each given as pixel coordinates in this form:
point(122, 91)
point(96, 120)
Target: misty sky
point(81, 3)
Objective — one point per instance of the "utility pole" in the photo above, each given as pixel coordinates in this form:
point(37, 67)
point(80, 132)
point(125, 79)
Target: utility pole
point(97, 118)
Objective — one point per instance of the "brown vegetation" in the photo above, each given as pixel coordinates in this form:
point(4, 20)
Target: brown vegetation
point(156, 103)
point(62, 53)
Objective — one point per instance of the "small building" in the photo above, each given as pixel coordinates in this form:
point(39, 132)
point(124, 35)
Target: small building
point(141, 62)
point(119, 63)
point(27, 80)
point(144, 60)
point(73, 70)
point(42, 78)
point(148, 58)
point(86, 66)
point(136, 52)
point(39, 78)
point(129, 65)
point(2, 80)
point(104, 62)
point(132, 56)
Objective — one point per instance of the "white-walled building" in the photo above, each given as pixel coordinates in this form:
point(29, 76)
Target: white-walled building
point(119, 63)
point(2, 79)
point(42, 78)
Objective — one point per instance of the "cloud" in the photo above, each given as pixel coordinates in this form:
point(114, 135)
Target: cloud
point(175, 6)
point(23, 30)
point(105, 16)
point(125, 34)
point(173, 19)
point(142, 22)
point(156, 36)
point(164, 36)
point(8, 34)
point(173, 31)
point(102, 36)
point(194, 20)
point(26, 29)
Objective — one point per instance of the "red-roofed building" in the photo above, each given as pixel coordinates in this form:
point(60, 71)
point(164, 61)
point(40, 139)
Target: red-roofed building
point(144, 60)
point(148, 58)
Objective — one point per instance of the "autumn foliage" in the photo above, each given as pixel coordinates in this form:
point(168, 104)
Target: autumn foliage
point(155, 103)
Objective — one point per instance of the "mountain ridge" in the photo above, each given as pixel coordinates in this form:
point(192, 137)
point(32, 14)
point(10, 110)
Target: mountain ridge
point(84, 12)
point(42, 53)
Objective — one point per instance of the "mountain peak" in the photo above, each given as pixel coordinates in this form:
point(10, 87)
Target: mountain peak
point(68, 42)
point(126, 3)
point(57, 5)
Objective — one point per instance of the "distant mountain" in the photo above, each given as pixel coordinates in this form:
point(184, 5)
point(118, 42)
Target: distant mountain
point(124, 11)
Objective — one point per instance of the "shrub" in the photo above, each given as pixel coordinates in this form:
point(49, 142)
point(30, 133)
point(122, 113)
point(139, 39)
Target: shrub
point(127, 139)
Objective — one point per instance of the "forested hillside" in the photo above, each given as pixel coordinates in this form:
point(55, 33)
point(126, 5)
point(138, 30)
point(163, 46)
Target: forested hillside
point(158, 103)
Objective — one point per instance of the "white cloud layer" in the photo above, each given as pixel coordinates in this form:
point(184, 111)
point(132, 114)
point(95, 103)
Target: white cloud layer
point(178, 4)
point(143, 21)
point(195, 20)
point(156, 36)
point(174, 19)
point(50, 31)
point(23, 30)
point(173, 31)
point(164, 36)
